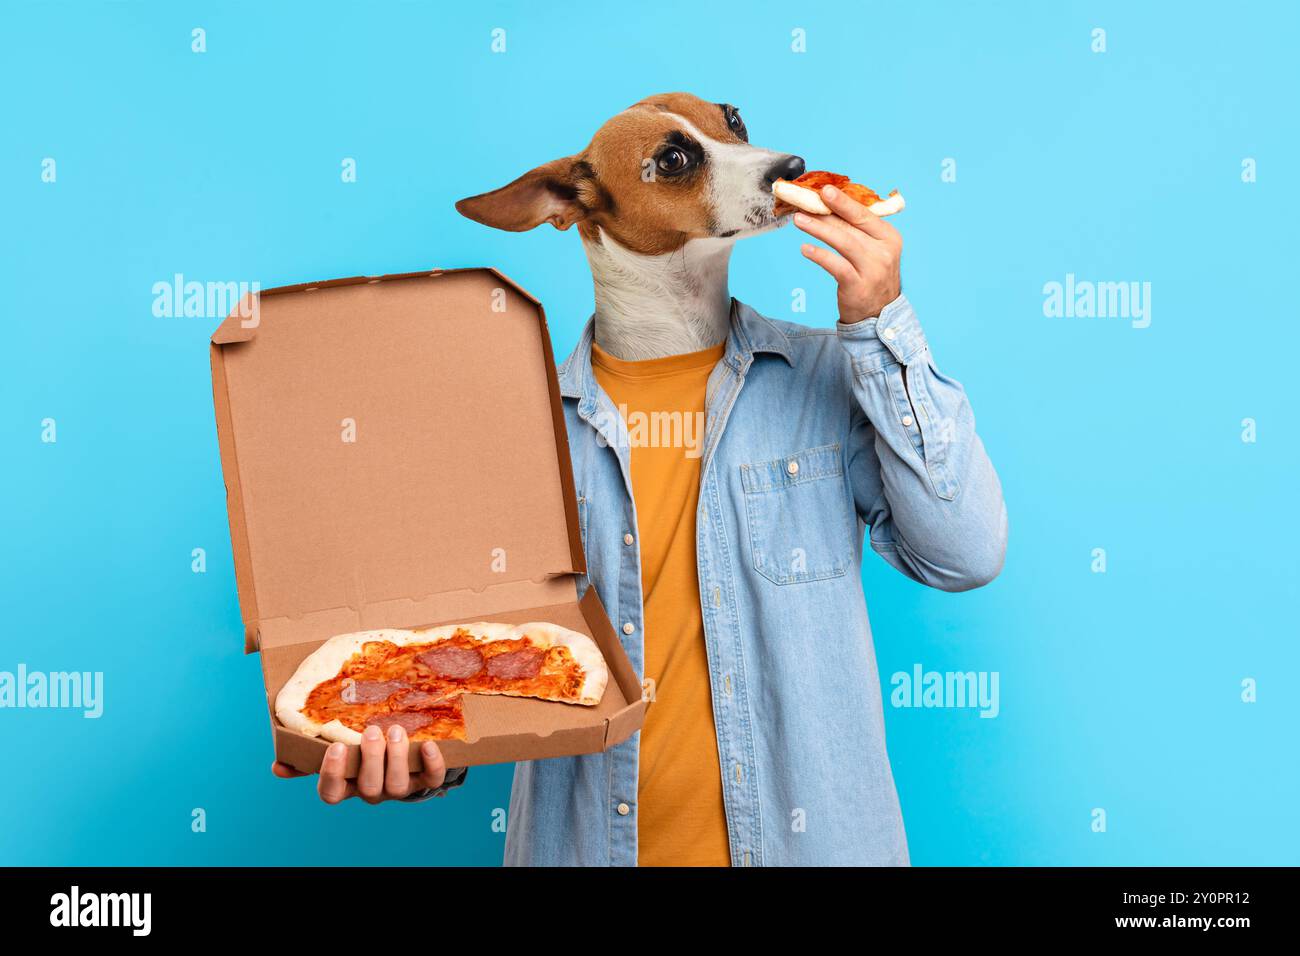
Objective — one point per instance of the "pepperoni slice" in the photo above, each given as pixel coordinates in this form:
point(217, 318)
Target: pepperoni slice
point(370, 691)
point(410, 722)
point(455, 662)
point(420, 698)
point(515, 665)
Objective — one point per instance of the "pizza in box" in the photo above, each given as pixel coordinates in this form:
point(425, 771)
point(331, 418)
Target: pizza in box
point(418, 678)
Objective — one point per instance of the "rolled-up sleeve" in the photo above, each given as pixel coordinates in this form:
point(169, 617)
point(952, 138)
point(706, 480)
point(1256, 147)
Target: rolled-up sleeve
point(921, 478)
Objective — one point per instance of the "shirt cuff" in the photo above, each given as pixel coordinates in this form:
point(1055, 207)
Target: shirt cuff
point(893, 336)
point(455, 777)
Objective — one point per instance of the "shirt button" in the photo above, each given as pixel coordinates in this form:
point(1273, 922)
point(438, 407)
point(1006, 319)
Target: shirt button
point(907, 420)
point(890, 334)
point(792, 468)
point(624, 809)
point(628, 539)
point(629, 627)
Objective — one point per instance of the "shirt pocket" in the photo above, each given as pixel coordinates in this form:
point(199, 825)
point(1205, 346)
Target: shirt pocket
point(798, 514)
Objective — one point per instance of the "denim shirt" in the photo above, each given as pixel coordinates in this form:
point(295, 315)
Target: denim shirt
point(811, 435)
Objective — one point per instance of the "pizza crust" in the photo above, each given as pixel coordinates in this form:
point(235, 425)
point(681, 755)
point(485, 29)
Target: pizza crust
point(321, 665)
point(338, 731)
point(326, 661)
point(809, 200)
point(584, 651)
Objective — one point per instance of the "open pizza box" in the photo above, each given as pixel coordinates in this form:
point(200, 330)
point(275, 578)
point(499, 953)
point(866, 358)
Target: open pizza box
point(395, 455)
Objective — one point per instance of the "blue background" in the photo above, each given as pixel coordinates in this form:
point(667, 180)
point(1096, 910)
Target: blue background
point(1119, 690)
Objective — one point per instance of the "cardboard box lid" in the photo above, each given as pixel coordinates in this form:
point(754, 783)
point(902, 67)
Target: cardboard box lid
point(392, 445)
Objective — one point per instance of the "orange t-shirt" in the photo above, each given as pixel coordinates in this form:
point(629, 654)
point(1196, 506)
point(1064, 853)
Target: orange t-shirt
point(680, 816)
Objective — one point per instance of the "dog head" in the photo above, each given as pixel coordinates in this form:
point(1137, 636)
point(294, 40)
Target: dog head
point(667, 170)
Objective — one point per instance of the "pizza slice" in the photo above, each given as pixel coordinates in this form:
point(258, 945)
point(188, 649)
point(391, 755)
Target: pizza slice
point(804, 194)
point(417, 678)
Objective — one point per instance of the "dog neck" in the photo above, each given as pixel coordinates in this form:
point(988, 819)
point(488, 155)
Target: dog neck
point(652, 306)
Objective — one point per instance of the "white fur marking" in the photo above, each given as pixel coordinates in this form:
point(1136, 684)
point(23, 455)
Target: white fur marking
point(653, 306)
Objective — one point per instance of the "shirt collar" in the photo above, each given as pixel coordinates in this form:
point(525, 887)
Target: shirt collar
point(750, 333)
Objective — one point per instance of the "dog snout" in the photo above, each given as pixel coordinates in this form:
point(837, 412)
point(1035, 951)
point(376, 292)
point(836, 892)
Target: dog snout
point(787, 167)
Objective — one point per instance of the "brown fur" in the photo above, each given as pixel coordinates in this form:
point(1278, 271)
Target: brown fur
point(604, 187)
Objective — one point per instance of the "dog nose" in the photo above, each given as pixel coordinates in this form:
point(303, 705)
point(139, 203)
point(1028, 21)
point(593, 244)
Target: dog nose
point(787, 167)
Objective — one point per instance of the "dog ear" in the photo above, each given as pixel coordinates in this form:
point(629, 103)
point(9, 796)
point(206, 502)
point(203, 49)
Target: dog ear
point(549, 193)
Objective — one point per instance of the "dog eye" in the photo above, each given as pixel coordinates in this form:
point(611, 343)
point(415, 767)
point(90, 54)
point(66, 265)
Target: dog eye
point(735, 122)
point(673, 160)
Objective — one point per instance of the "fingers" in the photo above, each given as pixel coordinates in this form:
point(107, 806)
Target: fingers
point(284, 771)
point(332, 786)
point(370, 778)
point(397, 779)
point(840, 236)
point(385, 768)
point(836, 265)
point(856, 214)
point(435, 768)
